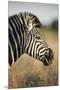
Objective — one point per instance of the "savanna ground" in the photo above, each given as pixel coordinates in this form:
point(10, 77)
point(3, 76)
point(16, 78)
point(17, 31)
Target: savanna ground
point(29, 72)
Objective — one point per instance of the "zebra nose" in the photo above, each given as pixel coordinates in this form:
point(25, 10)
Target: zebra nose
point(48, 57)
point(51, 55)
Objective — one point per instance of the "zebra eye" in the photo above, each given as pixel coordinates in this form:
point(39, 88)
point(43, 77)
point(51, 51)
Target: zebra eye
point(38, 37)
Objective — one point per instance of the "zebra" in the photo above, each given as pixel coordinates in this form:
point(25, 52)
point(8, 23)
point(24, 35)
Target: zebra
point(24, 37)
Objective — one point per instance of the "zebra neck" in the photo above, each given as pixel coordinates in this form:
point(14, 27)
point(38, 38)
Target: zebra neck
point(29, 41)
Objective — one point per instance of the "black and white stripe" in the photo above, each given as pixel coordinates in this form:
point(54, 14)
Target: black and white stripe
point(25, 38)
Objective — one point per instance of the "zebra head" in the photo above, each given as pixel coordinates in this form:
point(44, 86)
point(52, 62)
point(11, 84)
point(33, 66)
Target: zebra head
point(38, 48)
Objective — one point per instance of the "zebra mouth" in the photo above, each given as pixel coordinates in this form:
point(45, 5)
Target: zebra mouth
point(47, 62)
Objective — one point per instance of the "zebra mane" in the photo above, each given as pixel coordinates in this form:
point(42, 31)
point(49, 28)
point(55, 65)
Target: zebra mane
point(33, 21)
point(30, 20)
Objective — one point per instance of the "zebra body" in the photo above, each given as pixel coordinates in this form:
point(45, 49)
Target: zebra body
point(25, 38)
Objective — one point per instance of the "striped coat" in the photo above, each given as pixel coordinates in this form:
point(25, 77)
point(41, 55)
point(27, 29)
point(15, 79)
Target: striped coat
point(25, 38)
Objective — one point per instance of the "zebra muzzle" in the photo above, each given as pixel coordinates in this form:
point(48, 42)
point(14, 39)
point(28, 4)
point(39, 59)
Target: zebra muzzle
point(49, 57)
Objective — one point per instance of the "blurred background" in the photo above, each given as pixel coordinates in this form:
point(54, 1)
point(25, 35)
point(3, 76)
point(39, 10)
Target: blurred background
point(48, 16)
point(45, 12)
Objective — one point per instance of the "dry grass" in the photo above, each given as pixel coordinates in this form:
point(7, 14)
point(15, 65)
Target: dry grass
point(29, 72)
